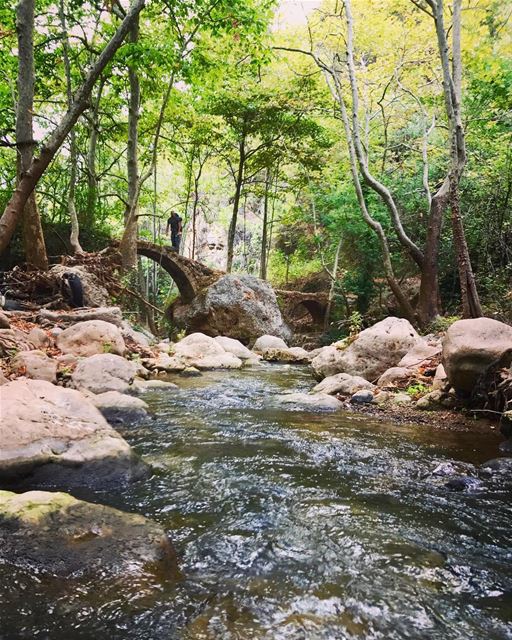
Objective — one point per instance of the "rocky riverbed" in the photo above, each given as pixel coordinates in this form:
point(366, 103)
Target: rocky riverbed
point(76, 383)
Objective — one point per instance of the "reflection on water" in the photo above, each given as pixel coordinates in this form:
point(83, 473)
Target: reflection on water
point(292, 525)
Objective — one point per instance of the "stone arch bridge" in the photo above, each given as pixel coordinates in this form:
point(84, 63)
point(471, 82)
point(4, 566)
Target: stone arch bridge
point(191, 277)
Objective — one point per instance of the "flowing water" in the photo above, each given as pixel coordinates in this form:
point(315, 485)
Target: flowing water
point(292, 524)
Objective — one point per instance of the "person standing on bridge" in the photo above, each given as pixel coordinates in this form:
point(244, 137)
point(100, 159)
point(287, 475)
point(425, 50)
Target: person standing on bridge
point(174, 223)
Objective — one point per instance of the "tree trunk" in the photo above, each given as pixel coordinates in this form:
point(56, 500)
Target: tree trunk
point(29, 179)
point(195, 204)
point(75, 227)
point(264, 229)
point(332, 288)
point(236, 203)
point(428, 304)
point(92, 178)
point(33, 239)
point(470, 301)
point(452, 87)
point(128, 246)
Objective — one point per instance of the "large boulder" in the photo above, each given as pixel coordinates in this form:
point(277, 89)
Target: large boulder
point(36, 365)
point(375, 350)
point(54, 533)
point(55, 437)
point(470, 347)
point(91, 337)
point(235, 347)
point(200, 351)
point(241, 307)
point(104, 372)
point(95, 294)
point(342, 383)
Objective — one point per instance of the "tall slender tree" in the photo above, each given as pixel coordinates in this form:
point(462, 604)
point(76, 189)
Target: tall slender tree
point(33, 239)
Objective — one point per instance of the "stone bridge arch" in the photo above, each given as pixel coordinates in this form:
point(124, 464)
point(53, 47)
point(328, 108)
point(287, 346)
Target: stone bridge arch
point(190, 276)
point(314, 303)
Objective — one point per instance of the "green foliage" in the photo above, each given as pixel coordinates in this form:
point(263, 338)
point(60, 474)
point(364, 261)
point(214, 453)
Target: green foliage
point(441, 324)
point(417, 390)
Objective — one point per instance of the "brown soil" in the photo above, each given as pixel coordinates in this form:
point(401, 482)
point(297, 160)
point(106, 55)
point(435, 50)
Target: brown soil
point(443, 419)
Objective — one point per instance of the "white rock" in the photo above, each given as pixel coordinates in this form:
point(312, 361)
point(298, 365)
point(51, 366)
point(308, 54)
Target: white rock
point(104, 372)
point(90, 338)
point(141, 386)
point(440, 378)
point(39, 338)
point(342, 383)
point(393, 376)
point(57, 437)
point(235, 347)
point(269, 342)
point(117, 407)
point(471, 346)
point(375, 350)
point(419, 355)
point(321, 401)
point(36, 365)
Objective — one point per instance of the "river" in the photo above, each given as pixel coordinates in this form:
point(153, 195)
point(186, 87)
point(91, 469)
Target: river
point(292, 525)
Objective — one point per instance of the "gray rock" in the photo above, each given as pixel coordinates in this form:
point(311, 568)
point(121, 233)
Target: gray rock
point(373, 352)
point(140, 339)
point(118, 408)
point(40, 339)
point(401, 398)
point(230, 345)
point(90, 338)
point(463, 483)
point(319, 401)
point(265, 342)
point(362, 397)
point(393, 376)
point(471, 346)
point(342, 383)
point(104, 372)
point(240, 307)
point(420, 354)
point(4, 321)
point(112, 315)
point(191, 372)
point(291, 355)
point(56, 534)
point(141, 386)
point(12, 341)
point(55, 437)
point(36, 365)
point(202, 352)
point(498, 465)
point(431, 401)
point(440, 378)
